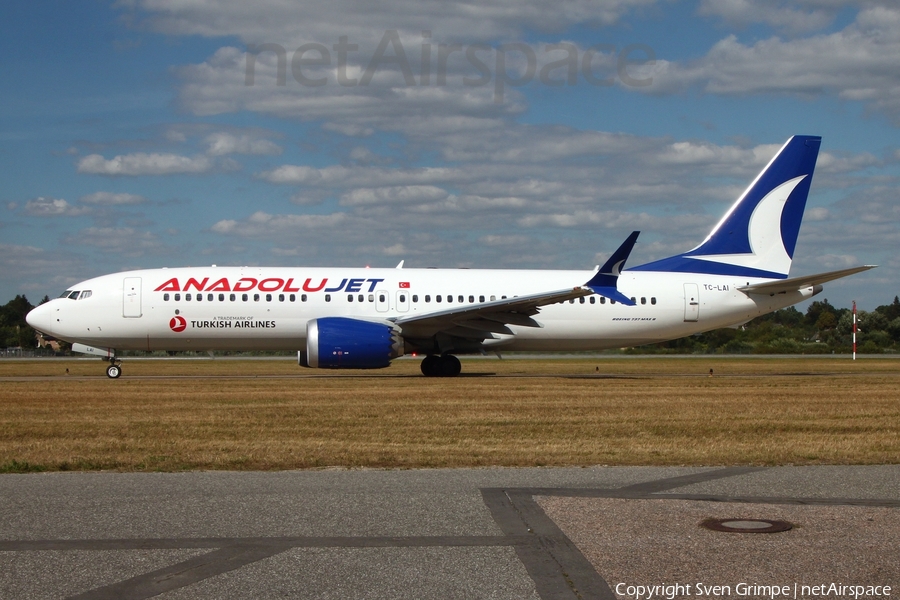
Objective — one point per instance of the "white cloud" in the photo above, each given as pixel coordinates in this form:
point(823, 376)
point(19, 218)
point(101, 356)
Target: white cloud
point(407, 194)
point(262, 224)
point(141, 163)
point(857, 63)
point(222, 143)
point(112, 199)
point(125, 241)
point(786, 16)
point(349, 129)
point(52, 207)
point(503, 240)
point(282, 22)
point(359, 176)
point(819, 213)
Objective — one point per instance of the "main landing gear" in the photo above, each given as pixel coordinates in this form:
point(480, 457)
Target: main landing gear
point(445, 365)
point(114, 370)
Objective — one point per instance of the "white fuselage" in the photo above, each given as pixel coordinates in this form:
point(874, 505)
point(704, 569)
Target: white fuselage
point(255, 308)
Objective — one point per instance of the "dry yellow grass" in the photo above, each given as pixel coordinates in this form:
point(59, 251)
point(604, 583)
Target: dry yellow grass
point(276, 415)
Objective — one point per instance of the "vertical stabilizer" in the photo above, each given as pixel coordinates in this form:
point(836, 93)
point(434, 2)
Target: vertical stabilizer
point(757, 236)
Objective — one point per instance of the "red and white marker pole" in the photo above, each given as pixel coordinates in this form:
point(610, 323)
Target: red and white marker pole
point(854, 330)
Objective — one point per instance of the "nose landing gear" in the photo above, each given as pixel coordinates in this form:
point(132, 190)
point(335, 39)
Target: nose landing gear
point(114, 370)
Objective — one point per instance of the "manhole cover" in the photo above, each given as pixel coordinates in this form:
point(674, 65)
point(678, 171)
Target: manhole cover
point(746, 525)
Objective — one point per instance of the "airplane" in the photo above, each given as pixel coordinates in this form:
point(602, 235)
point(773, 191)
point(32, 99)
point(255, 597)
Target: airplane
point(362, 318)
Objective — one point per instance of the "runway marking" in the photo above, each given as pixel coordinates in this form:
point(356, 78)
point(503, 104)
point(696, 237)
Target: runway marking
point(557, 567)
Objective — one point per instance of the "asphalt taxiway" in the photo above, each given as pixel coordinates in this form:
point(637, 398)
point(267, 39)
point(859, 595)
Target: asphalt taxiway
point(545, 533)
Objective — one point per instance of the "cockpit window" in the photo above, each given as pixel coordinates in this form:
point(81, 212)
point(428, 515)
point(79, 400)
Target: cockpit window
point(65, 294)
point(85, 294)
point(73, 295)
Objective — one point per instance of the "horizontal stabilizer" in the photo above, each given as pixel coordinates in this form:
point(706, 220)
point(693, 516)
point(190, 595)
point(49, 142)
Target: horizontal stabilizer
point(798, 283)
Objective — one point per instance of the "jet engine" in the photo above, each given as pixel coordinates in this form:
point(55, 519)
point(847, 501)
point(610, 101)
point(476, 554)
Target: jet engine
point(345, 343)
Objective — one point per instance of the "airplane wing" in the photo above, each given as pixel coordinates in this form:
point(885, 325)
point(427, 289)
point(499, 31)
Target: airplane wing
point(798, 283)
point(479, 322)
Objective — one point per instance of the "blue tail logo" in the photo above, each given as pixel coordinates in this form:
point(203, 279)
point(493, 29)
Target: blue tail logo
point(757, 236)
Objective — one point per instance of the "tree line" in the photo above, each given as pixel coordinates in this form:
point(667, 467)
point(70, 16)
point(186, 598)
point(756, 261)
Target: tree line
point(823, 329)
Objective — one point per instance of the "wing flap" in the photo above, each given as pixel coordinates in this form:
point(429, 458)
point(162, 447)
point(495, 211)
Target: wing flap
point(508, 311)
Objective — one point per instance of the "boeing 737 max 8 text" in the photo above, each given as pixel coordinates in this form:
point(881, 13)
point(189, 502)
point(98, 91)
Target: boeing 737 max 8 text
point(364, 318)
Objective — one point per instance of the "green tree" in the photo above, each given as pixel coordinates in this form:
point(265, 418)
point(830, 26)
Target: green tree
point(14, 330)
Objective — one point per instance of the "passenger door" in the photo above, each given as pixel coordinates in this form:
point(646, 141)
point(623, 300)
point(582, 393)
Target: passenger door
point(131, 297)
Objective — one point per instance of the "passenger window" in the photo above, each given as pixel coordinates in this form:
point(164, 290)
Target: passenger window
point(503, 297)
point(165, 297)
point(199, 297)
point(493, 297)
point(437, 298)
point(472, 299)
point(643, 300)
point(221, 297)
point(481, 298)
point(293, 297)
point(427, 298)
point(653, 300)
point(602, 299)
point(449, 297)
point(268, 297)
point(232, 297)
point(581, 300)
point(209, 297)
point(187, 297)
point(415, 298)
point(611, 301)
point(327, 297)
point(633, 299)
point(402, 297)
point(177, 297)
point(281, 297)
point(349, 297)
point(303, 298)
point(245, 297)
point(256, 297)
point(381, 298)
point(361, 298)
point(593, 299)
point(371, 297)
point(571, 300)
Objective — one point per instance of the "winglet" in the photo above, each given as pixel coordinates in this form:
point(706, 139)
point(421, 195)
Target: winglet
point(604, 280)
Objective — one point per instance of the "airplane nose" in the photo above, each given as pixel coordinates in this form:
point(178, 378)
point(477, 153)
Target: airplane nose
point(40, 318)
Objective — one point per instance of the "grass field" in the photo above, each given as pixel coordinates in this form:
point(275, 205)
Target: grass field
point(269, 414)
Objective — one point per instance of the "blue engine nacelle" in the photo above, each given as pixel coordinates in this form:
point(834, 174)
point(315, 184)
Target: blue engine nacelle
point(343, 343)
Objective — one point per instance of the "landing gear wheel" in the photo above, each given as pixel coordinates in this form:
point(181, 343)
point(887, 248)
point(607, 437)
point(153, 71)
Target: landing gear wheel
point(113, 371)
point(450, 366)
point(446, 365)
point(431, 365)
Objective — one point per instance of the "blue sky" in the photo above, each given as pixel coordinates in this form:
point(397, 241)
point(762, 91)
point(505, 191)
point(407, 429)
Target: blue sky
point(129, 136)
